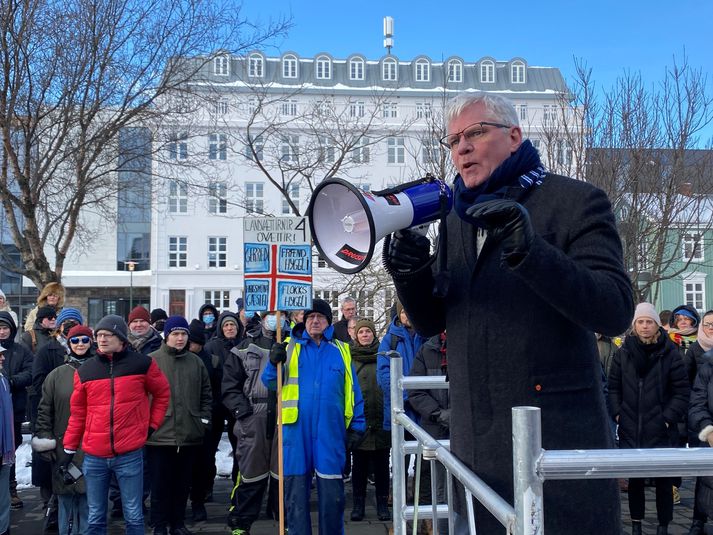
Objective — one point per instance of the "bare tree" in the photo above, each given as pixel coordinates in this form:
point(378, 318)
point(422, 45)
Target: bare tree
point(74, 76)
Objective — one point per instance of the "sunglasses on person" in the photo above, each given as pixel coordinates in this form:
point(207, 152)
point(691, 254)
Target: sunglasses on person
point(80, 340)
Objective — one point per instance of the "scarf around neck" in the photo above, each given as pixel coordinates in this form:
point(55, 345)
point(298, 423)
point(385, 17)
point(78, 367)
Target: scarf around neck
point(523, 169)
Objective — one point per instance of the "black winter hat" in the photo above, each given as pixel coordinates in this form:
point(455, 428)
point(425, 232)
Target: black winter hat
point(114, 324)
point(196, 333)
point(322, 307)
point(46, 312)
point(158, 314)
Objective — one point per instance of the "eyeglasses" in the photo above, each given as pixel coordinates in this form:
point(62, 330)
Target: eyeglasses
point(708, 325)
point(104, 335)
point(471, 134)
point(80, 340)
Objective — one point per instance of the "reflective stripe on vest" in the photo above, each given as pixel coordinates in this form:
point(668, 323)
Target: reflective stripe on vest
point(291, 388)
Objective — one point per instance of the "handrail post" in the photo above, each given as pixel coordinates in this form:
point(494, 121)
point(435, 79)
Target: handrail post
point(527, 448)
point(398, 462)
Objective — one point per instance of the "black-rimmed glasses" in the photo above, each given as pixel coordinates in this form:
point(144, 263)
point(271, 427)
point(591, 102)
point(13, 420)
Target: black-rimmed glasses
point(471, 134)
point(80, 340)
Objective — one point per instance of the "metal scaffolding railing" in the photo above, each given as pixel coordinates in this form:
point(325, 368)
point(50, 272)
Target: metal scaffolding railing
point(532, 466)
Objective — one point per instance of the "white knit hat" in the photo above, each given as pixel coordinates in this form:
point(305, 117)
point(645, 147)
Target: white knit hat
point(646, 310)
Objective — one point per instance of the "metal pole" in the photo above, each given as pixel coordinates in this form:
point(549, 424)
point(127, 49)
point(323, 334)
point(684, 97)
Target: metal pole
point(527, 449)
point(131, 290)
point(398, 463)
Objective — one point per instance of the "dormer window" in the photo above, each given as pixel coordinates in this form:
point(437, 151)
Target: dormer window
point(487, 72)
point(356, 69)
point(221, 66)
point(255, 66)
point(455, 71)
point(517, 72)
point(389, 70)
point(423, 70)
point(289, 67)
point(323, 68)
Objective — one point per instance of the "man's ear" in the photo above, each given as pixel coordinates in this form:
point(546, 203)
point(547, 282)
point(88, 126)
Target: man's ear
point(515, 137)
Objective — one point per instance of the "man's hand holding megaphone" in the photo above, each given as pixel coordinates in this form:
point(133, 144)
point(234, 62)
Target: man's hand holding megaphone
point(408, 251)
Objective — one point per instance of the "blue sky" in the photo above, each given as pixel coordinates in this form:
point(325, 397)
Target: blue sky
point(612, 37)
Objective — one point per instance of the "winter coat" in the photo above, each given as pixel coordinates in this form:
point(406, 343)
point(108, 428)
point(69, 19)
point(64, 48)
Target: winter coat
point(341, 330)
point(50, 288)
point(571, 284)
point(209, 332)
point(219, 348)
point(693, 360)
point(189, 409)
point(52, 420)
point(150, 344)
point(17, 369)
point(364, 359)
point(700, 415)
point(10, 311)
point(606, 348)
point(116, 399)
point(649, 406)
point(429, 403)
point(41, 337)
point(406, 342)
point(317, 440)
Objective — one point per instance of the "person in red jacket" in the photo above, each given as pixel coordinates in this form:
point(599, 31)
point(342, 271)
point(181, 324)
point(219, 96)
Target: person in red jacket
point(120, 397)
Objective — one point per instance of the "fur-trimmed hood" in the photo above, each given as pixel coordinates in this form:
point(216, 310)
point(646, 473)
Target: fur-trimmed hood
point(51, 288)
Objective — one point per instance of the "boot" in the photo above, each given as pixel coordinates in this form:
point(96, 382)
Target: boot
point(662, 530)
point(382, 508)
point(15, 501)
point(698, 527)
point(199, 512)
point(358, 509)
point(636, 527)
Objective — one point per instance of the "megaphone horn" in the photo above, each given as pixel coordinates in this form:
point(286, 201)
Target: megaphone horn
point(347, 222)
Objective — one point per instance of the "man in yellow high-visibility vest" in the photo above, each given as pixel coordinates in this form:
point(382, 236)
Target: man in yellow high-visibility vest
point(322, 415)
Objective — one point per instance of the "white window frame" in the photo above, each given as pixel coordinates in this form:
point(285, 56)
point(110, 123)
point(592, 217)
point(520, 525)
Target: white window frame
point(217, 146)
point(430, 151)
point(694, 290)
point(177, 197)
point(256, 66)
point(254, 197)
point(423, 70)
point(178, 146)
point(217, 198)
point(289, 107)
point(361, 152)
point(289, 66)
point(389, 70)
point(356, 69)
point(289, 148)
point(258, 144)
point(220, 108)
point(323, 68)
point(217, 251)
point(221, 65)
point(517, 72)
point(522, 112)
point(177, 251)
point(692, 249)
point(357, 109)
point(396, 150)
point(220, 299)
point(487, 72)
point(293, 191)
point(455, 71)
point(327, 150)
point(390, 110)
point(424, 110)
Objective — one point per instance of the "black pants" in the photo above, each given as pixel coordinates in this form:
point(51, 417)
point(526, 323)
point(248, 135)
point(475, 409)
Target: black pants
point(246, 500)
point(204, 466)
point(17, 426)
point(171, 470)
point(664, 499)
point(379, 460)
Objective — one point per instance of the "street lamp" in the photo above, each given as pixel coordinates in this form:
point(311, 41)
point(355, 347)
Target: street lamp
point(131, 265)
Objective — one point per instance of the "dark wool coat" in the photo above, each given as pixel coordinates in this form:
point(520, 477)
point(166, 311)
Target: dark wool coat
point(525, 336)
point(649, 407)
point(17, 369)
point(700, 415)
point(428, 403)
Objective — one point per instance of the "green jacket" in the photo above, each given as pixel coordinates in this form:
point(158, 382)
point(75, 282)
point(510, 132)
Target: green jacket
point(189, 409)
point(364, 362)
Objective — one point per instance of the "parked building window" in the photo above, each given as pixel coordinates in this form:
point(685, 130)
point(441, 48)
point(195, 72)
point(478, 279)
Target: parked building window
point(396, 150)
point(254, 201)
point(218, 146)
point(549, 114)
point(360, 153)
point(390, 110)
point(692, 247)
point(487, 72)
point(694, 293)
point(522, 112)
point(294, 192)
point(221, 66)
point(289, 107)
point(357, 109)
point(255, 66)
point(423, 110)
point(423, 70)
point(220, 299)
point(389, 70)
point(455, 71)
point(289, 148)
point(254, 148)
point(177, 197)
point(217, 252)
point(356, 69)
point(177, 251)
point(178, 147)
point(323, 68)
point(289, 67)
point(220, 108)
point(217, 198)
point(517, 72)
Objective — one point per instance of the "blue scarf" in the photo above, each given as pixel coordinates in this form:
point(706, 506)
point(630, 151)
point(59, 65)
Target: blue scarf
point(522, 169)
point(7, 429)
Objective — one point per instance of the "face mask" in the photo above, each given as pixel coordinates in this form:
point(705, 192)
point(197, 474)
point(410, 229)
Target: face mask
point(271, 323)
point(208, 319)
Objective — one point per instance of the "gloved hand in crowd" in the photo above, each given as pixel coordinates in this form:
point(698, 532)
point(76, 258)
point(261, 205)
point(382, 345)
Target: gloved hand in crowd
point(278, 353)
point(508, 222)
point(354, 439)
point(67, 479)
point(444, 418)
point(408, 251)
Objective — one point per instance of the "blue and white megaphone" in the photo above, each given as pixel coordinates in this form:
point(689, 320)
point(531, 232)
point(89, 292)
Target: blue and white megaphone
point(347, 222)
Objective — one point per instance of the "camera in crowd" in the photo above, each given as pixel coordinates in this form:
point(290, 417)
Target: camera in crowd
point(70, 473)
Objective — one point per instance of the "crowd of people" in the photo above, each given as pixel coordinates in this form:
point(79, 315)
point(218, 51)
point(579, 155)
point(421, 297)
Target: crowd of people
point(126, 416)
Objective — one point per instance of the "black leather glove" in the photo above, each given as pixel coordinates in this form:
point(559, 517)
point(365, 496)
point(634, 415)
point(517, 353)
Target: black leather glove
point(408, 251)
point(354, 439)
point(67, 479)
point(278, 353)
point(444, 418)
point(508, 222)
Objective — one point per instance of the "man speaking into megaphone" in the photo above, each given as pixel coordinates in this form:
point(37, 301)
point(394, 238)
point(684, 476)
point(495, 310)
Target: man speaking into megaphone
point(535, 268)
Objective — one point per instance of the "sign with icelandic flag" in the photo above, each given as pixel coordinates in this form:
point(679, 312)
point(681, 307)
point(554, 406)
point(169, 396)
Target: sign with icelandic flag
point(278, 264)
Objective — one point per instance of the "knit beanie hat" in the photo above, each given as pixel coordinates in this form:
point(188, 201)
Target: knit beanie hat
point(196, 332)
point(322, 307)
point(175, 323)
point(225, 319)
point(158, 314)
point(687, 313)
point(2, 294)
point(139, 313)
point(80, 330)
point(646, 310)
point(46, 312)
point(7, 321)
point(114, 324)
point(69, 314)
point(365, 323)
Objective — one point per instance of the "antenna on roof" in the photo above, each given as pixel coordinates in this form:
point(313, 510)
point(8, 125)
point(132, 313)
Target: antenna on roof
point(388, 34)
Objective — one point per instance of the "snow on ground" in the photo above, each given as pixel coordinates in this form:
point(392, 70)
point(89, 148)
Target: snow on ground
point(23, 459)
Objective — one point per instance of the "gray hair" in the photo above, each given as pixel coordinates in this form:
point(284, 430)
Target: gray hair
point(501, 107)
point(348, 299)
